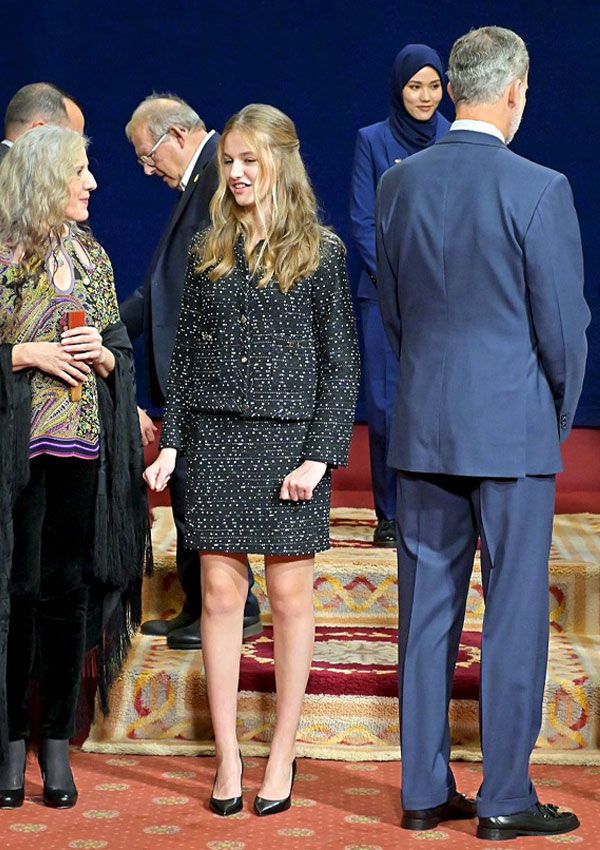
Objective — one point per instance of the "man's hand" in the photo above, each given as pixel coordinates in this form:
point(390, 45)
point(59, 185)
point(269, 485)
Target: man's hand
point(158, 473)
point(147, 427)
point(300, 483)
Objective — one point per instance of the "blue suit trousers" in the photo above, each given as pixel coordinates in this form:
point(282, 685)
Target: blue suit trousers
point(440, 518)
point(380, 368)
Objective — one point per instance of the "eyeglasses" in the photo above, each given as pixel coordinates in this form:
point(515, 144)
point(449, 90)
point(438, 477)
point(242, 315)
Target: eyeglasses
point(148, 158)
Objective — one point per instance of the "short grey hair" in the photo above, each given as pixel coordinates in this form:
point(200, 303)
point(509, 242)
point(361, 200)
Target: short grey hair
point(484, 62)
point(36, 102)
point(159, 112)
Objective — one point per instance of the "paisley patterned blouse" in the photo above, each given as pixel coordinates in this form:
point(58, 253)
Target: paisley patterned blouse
point(59, 426)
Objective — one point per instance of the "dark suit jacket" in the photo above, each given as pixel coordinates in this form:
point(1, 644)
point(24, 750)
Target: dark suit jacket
point(258, 353)
point(153, 309)
point(481, 287)
point(4, 149)
point(376, 151)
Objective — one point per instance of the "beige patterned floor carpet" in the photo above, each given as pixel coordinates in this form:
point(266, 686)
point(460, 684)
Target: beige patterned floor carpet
point(158, 705)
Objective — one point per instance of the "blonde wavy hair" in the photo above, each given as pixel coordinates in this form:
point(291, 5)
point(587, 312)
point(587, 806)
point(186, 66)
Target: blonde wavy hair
point(284, 200)
point(34, 192)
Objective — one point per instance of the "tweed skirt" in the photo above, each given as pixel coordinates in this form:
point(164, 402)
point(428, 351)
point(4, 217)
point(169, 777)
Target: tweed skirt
point(236, 467)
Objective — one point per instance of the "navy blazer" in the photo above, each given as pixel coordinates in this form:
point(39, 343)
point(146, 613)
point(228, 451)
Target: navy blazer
point(153, 309)
point(480, 277)
point(376, 151)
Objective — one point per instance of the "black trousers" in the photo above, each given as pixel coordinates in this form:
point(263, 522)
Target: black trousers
point(188, 563)
point(53, 524)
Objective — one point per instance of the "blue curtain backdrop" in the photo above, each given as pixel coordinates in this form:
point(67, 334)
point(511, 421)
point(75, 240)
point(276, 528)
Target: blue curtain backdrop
point(326, 64)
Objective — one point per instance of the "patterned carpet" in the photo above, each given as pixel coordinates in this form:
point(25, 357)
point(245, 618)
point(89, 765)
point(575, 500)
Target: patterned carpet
point(159, 704)
point(160, 803)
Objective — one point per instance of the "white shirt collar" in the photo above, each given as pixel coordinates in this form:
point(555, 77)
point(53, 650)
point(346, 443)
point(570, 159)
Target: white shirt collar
point(7, 142)
point(188, 171)
point(477, 127)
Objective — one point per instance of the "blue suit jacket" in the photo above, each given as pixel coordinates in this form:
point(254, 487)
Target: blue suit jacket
point(153, 309)
point(376, 151)
point(481, 288)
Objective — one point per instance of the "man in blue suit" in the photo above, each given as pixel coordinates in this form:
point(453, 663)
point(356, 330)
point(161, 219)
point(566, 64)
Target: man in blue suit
point(480, 278)
point(171, 142)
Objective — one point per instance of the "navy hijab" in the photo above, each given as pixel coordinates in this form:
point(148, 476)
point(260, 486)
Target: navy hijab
point(412, 134)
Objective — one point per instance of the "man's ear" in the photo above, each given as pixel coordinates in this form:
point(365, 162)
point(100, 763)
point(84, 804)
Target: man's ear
point(513, 93)
point(450, 93)
point(179, 135)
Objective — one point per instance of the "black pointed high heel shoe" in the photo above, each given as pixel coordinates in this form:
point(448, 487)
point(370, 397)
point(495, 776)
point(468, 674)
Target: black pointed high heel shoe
point(57, 751)
point(232, 805)
point(263, 807)
point(12, 798)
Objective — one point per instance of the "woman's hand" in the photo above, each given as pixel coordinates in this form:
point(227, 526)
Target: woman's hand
point(147, 427)
point(158, 473)
point(300, 483)
point(52, 358)
point(84, 343)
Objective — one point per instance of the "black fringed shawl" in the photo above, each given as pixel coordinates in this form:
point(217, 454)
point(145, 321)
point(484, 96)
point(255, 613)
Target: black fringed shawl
point(121, 530)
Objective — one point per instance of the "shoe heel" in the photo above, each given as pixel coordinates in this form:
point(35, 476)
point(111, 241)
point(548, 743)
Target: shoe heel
point(491, 834)
point(419, 824)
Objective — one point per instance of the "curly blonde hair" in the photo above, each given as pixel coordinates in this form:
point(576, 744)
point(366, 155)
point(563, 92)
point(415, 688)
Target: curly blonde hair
point(34, 191)
point(284, 200)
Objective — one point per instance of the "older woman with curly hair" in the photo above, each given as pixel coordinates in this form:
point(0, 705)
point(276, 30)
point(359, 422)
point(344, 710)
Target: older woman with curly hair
point(72, 518)
point(261, 400)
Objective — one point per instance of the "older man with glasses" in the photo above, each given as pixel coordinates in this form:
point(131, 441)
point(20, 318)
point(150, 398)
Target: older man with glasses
point(171, 142)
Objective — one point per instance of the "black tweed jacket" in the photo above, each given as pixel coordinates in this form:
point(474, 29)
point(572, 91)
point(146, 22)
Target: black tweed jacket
point(257, 352)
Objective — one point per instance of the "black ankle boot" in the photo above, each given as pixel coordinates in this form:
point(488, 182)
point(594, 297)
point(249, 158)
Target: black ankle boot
point(12, 775)
point(59, 788)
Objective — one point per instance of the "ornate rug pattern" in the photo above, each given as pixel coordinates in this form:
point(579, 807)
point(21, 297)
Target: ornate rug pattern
point(159, 704)
point(137, 803)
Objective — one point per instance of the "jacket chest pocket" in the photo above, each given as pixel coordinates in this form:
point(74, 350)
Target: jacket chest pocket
point(294, 365)
point(209, 357)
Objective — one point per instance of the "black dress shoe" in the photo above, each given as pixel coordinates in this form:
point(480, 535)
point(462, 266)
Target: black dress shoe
point(539, 820)
point(230, 806)
point(252, 626)
point(264, 807)
point(161, 628)
point(186, 637)
point(385, 534)
point(13, 774)
point(189, 636)
point(456, 807)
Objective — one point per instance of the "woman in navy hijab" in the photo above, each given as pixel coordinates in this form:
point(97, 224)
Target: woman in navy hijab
point(413, 124)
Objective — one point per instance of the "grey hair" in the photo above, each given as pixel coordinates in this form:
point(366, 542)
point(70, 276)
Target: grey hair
point(36, 101)
point(484, 62)
point(159, 112)
point(34, 187)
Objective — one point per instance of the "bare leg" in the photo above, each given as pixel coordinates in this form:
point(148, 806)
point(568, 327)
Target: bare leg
point(290, 590)
point(224, 592)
